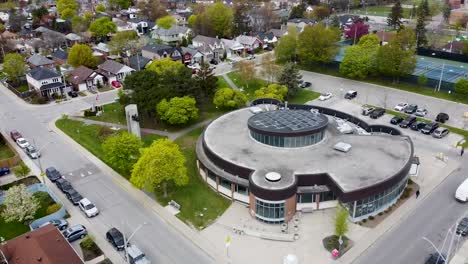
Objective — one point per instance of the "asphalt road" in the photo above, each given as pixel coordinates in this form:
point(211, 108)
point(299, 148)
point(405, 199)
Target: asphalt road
point(403, 244)
point(160, 242)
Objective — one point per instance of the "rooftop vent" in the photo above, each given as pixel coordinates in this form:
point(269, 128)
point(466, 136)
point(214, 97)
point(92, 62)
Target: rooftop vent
point(343, 147)
point(273, 176)
point(255, 109)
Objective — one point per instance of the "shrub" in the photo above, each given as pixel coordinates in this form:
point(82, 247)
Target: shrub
point(104, 132)
point(364, 220)
point(44, 198)
point(422, 80)
point(407, 192)
point(87, 242)
point(37, 99)
point(371, 217)
point(89, 112)
point(381, 213)
point(53, 208)
point(21, 170)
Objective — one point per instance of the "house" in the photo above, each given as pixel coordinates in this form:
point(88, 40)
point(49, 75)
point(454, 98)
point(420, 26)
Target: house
point(45, 81)
point(157, 52)
point(347, 20)
point(212, 48)
point(173, 34)
point(38, 60)
point(122, 25)
point(191, 56)
point(249, 43)
point(101, 50)
point(454, 47)
point(44, 245)
point(114, 71)
point(278, 33)
point(268, 38)
point(83, 78)
point(138, 62)
point(73, 38)
point(141, 26)
point(60, 57)
point(233, 48)
point(301, 23)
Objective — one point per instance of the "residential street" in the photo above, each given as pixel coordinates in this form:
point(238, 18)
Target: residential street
point(119, 203)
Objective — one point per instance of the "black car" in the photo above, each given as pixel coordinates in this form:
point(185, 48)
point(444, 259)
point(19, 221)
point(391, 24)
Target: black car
point(429, 128)
point(306, 85)
point(73, 196)
point(442, 117)
point(350, 94)
point(411, 109)
point(377, 113)
point(416, 126)
point(435, 258)
point(73, 94)
point(214, 62)
point(115, 237)
point(52, 174)
point(396, 120)
point(408, 122)
point(462, 227)
point(63, 185)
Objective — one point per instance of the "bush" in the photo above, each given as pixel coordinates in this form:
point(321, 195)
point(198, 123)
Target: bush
point(461, 86)
point(89, 112)
point(37, 99)
point(87, 242)
point(44, 198)
point(381, 213)
point(407, 192)
point(422, 80)
point(21, 170)
point(371, 217)
point(53, 208)
point(364, 220)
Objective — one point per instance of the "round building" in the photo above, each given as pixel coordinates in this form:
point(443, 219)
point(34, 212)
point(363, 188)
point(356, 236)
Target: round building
point(282, 159)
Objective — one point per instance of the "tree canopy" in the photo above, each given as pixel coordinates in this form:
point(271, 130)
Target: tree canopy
point(14, 66)
point(81, 54)
point(122, 151)
point(274, 91)
point(19, 205)
point(287, 46)
point(357, 30)
point(228, 98)
point(216, 20)
point(100, 8)
point(421, 13)
point(80, 24)
point(101, 27)
point(165, 66)
point(152, 9)
point(341, 221)
point(166, 22)
point(461, 86)
point(206, 80)
point(120, 4)
point(123, 41)
point(395, 16)
point(246, 69)
point(270, 70)
point(63, 5)
point(360, 60)
point(178, 110)
point(318, 44)
point(290, 77)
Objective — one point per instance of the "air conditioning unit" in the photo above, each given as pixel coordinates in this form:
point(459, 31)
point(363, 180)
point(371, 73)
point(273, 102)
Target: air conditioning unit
point(343, 147)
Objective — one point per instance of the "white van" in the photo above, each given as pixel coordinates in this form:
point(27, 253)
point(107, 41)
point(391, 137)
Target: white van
point(462, 192)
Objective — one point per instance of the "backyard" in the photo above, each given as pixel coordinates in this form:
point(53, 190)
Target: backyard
point(5, 151)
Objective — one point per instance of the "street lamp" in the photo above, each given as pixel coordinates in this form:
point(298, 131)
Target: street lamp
point(40, 155)
point(126, 241)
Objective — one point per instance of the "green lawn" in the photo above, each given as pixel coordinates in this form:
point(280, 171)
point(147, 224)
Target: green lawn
point(22, 88)
point(5, 152)
point(196, 198)
point(249, 87)
point(379, 11)
point(303, 96)
point(112, 113)
point(222, 83)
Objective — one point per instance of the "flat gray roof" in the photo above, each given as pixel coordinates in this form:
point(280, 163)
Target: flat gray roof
point(371, 160)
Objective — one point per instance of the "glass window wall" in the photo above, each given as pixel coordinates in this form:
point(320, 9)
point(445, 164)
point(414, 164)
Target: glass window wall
point(269, 212)
point(288, 142)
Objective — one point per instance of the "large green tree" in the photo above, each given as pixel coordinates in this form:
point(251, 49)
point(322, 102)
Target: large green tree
point(461, 86)
point(318, 44)
point(63, 5)
point(290, 77)
point(14, 67)
point(228, 98)
point(297, 11)
point(287, 47)
point(79, 24)
point(81, 54)
point(103, 26)
point(122, 151)
point(120, 4)
point(220, 19)
point(68, 13)
point(274, 91)
point(165, 66)
point(421, 39)
point(166, 22)
point(178, 110)
point(161, 163)
point(123, 41)
point(395, 16)
point(241, 18)
point(19, 205)
point(100, 8)
point(206, 80)
point(360, 60)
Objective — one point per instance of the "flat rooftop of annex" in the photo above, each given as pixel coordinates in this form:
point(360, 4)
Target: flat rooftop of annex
point(371, 160)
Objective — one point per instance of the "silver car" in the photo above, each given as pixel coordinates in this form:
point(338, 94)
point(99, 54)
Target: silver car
point(32, 152)
point(440, 132)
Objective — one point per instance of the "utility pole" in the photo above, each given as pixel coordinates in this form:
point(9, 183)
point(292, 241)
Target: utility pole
point(441, 75)
point(126, 241)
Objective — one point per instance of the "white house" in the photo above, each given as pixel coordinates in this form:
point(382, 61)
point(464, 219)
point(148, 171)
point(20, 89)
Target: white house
point(232, 47)
point(173, 34)
point(114, 71)
point(122, 25)
point(211, 47)
point(83, 78)
point(45, 81)
point(141, 26)
point(249, 43)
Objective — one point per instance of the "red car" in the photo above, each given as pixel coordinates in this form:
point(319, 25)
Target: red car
point(15, 135)
point(116, 84)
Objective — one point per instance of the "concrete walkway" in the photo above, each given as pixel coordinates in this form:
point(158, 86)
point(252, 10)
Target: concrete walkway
point(229, 81)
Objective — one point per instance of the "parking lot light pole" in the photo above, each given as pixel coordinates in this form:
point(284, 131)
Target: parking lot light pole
point(126, 241)
point(39, 157)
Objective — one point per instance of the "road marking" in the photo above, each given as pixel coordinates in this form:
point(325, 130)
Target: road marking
point(89, 173)
point(82, 175)
point(71, 174)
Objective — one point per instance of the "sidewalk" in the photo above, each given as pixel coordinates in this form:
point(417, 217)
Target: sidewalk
point(230, 82)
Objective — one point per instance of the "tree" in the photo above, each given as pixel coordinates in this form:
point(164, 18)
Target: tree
point(426, 12)
point(263, 18)
point(335, 21)
point(341, 221)
point(274, 91)
point(122, 151)
point(39, 13)
point(22, 169)
point(162, 162)
point(81, 54)
point(318, 44)
point(120, 4)
point(166, 22)
point(269, 68)
point(413, 11)
point(166, 65)
point(63, 5)
point(206, 80)
point(357, 30)
point(79, 24)
point(53, 39)
point(220, 19)
point(16, 22)
point(286, 49)
point(395, 16)
point(241, 18)
point(465, 47)
point(321, 12)
point(123, 41)
point(100, 8)
point(246, 69)
point(359, 60)
point(178, 110)
point(290, 77)
point(67, 13)
point(14, 67)
point(421, 39)
point(228, 98)
point(461, 86)
point(422, 80)
point(19, 205)
point(192, 20)
point(447, 9)
point(152, 9)
point(297, 11)
point(103, 26)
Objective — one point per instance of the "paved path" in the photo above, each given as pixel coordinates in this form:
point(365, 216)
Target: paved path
point(229, 81)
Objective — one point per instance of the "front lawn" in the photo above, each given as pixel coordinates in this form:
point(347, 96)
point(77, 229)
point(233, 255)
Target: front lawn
point(112, 113)
point(303, 96)
point(249, 87)
point(5, 151)
point(379, 11)
point(222, 83)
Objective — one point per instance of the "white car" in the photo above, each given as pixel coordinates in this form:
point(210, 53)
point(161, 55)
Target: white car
point(22, 143)
point(325, 96)
point(421, 112)
point(400, 107)
point(88, 207)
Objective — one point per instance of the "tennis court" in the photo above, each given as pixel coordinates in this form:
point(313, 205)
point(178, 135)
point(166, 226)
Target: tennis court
point(432, 68)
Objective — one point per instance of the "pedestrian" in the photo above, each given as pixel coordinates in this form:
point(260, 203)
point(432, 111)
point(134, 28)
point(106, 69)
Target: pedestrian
point(462, 151)
point(417, 194)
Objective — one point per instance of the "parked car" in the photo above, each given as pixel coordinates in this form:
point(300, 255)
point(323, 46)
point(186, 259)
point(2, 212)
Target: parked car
point(325, 96)
point(440, 132)
point(429, 128)
point(396, 120)
point(462, 227)
point(377, 113)
point(411, 109)
point(4, 171)
point(213, 61)
point(435, 258)
point(88, 207)
point(416, 126)
point(15, 135)
point(22, 143)
point(63, 185)
point(61, 224)
point(251, 57)
point(75, 232)
point(115, 237)
point(73, 94)
point(421, 112)
point(53, 174)
point(116, 84)
point(400, 107)
point(461, 194)
point(442, 117)
point(366, 110)
point(74, 196)
point(135, 256)
point(306, 85)
point(408, 121)
point(32, 152)
point(350, 94)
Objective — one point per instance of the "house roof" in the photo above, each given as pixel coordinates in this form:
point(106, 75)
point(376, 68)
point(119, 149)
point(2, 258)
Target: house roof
point(51, 85)
point(41, 29)
point(278, 32)
point(206, 40)
point(111, 66)
point(45, 245)
point(302, 20)
point(246, 40)
point(42, 73)
point(232, 44)
point(139, 62)
point(454, 46)
point(266, 35)
point(39, 60)
point(60, 54)
point(159, 49)
point(189, 50)
point(102, 47)
point(174, 30)
point(73, 37)
point(79, 75)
